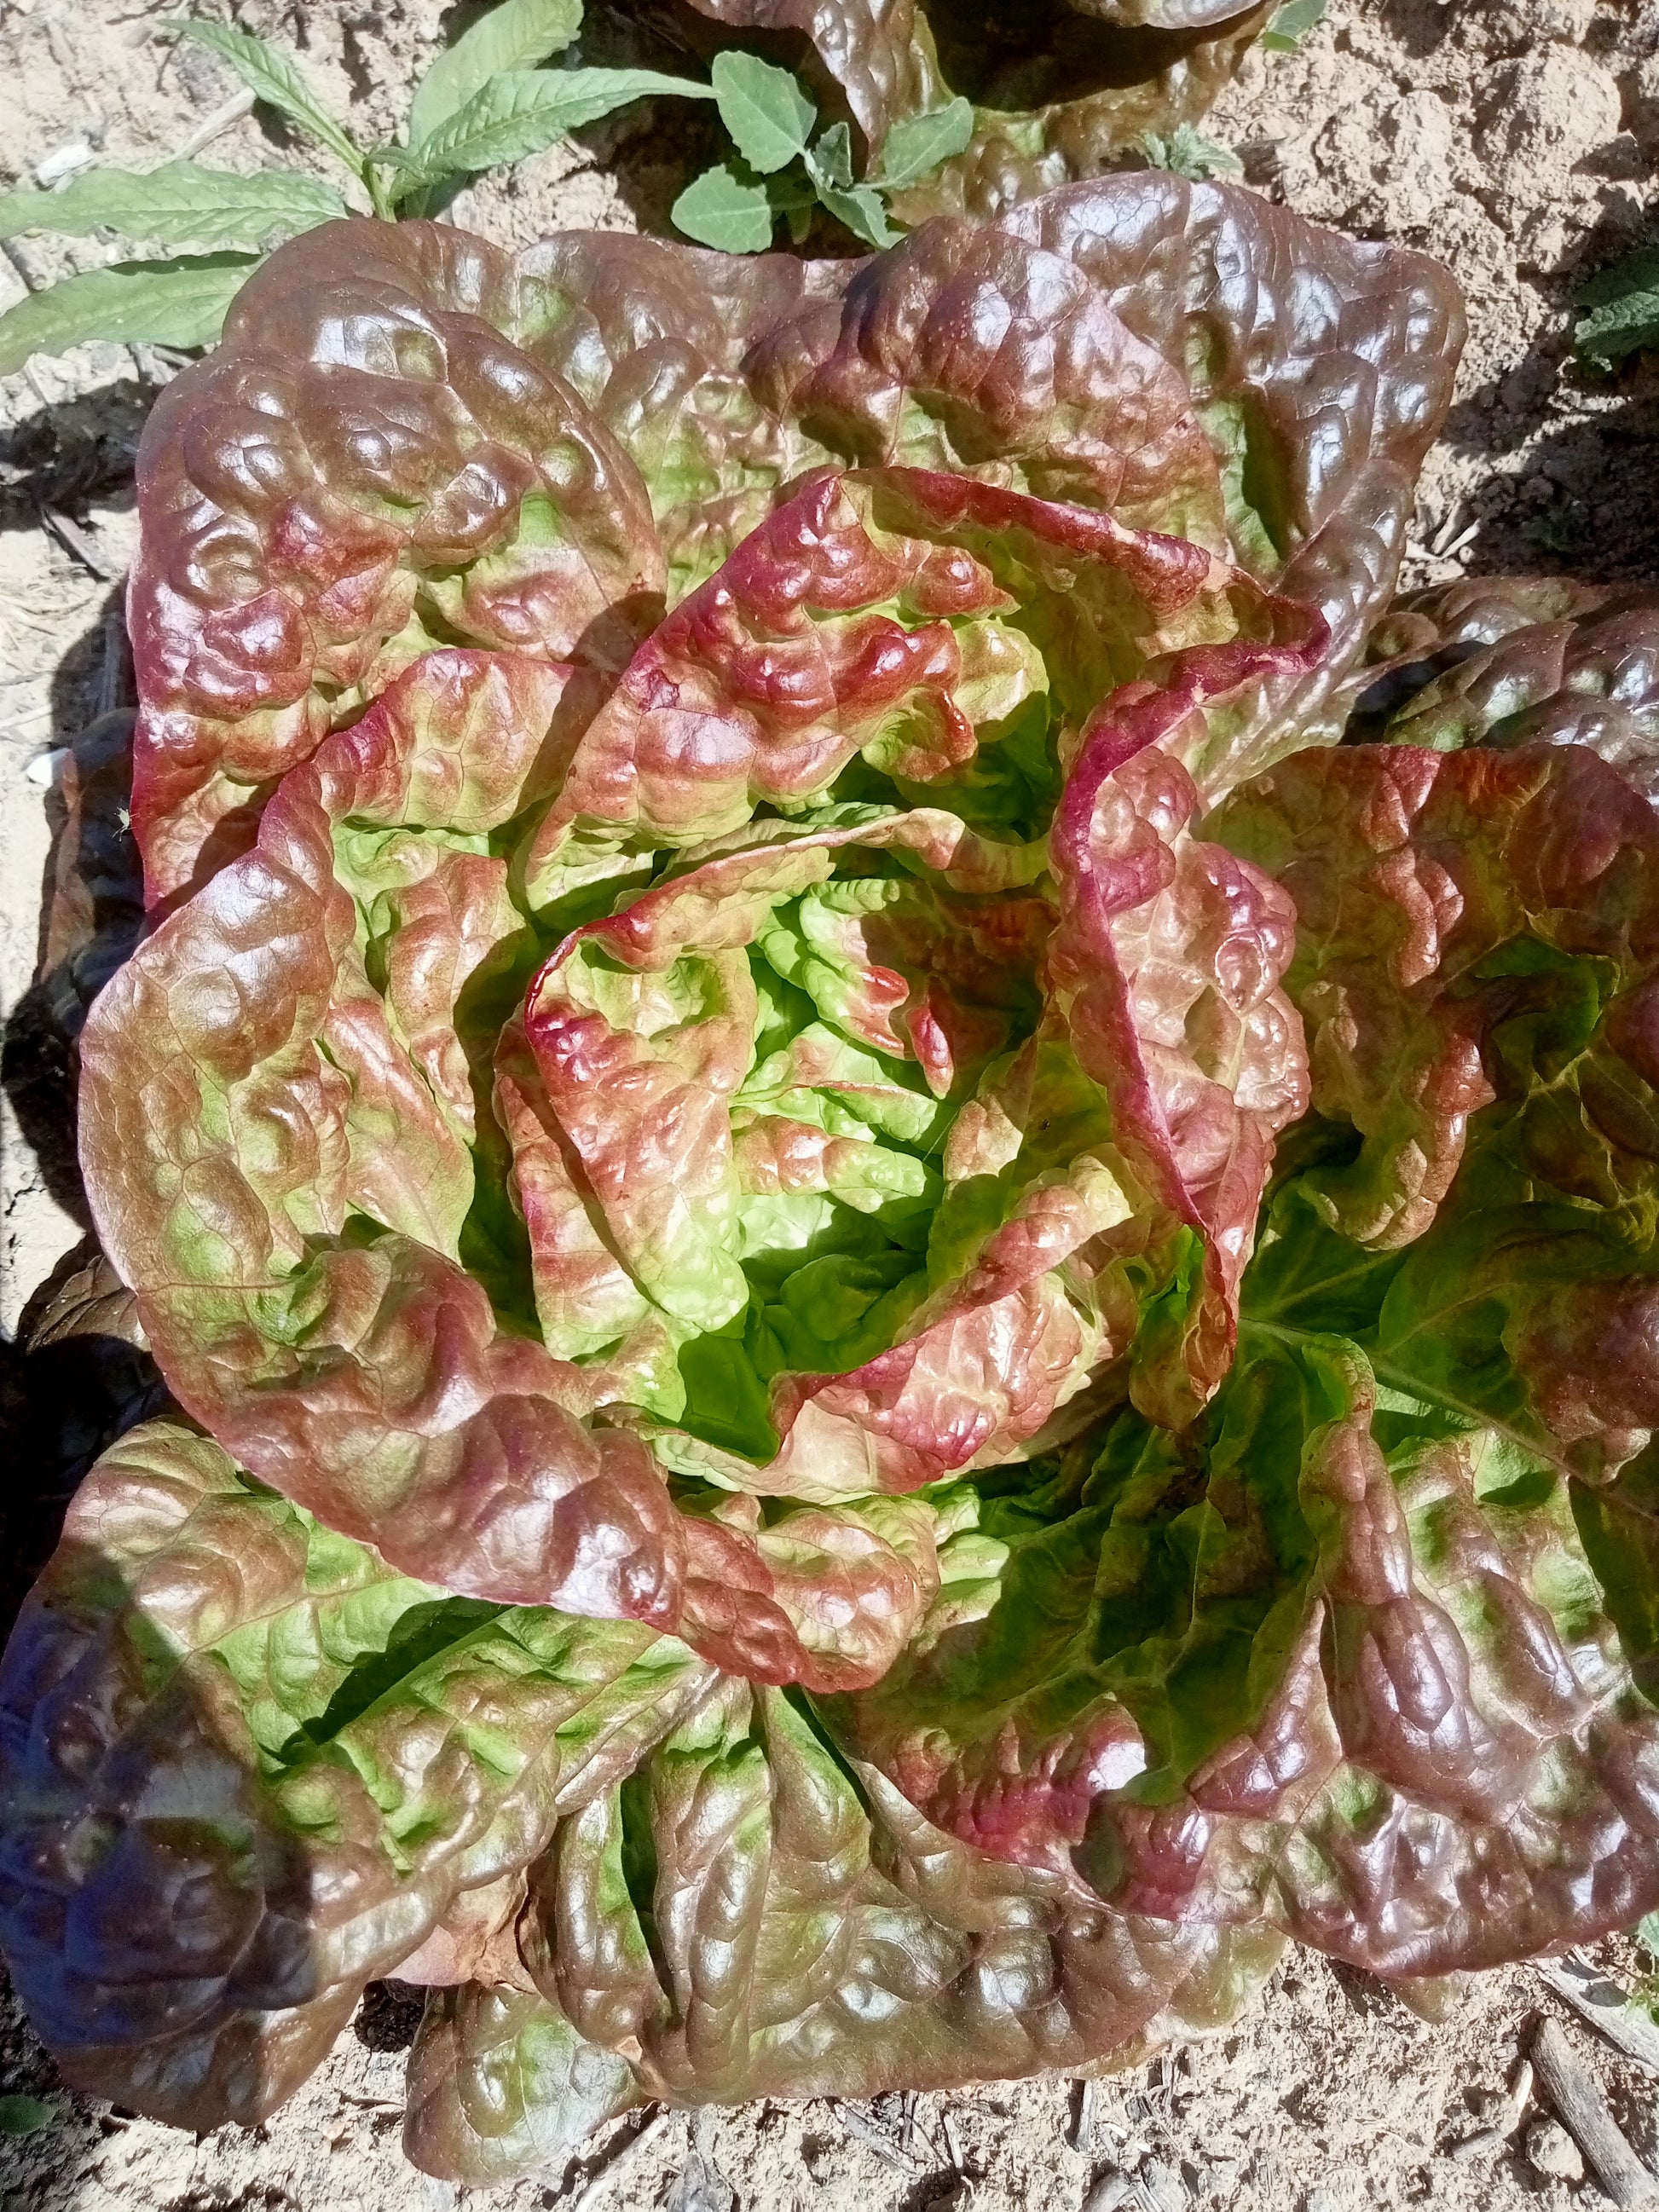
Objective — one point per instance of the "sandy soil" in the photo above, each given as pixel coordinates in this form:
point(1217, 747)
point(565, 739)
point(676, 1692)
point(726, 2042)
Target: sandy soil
point(1517, 140)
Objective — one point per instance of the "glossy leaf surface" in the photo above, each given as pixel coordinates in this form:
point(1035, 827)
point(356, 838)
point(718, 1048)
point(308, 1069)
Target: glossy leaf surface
point(903, 1176)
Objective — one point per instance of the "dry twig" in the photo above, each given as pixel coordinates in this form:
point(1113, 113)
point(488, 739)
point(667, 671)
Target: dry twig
point(625, 2157)
point(1609, 2009)
point(86, 549)
point(1583, 2111)
point(214, 125)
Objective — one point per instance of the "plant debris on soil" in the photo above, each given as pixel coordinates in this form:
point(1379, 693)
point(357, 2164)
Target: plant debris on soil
point(1517, 140)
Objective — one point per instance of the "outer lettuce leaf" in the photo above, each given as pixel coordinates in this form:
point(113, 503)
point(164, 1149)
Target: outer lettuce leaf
point(501, 2083)
point(248, 1767)
point(1321, 372)
point(1340, 1662)
point(725, 381)
point(1069, 351)
point(443, 441)
point(1355, 1652)
point(1477, 935)
point(1512, 661)
point(279, 1131)
point(367, 463)
point(747, 1916)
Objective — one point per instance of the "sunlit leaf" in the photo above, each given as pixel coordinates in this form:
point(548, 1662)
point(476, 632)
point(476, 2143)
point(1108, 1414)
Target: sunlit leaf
point(917, 144)
point(726, 207)
point(176, 303)
point(769, 116)
point(514, 35)
point(272, 77)
point(1622, 310)
point(523, 112)
point(180, 204)
point(1289, 24)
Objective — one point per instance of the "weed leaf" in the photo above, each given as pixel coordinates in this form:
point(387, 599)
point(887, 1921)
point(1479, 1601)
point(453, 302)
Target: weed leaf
point(177, 303)
point(514, 35)
point(769, 116)
point(272, 77)
point(918, 144)
point(728, 208)
point(180, 204)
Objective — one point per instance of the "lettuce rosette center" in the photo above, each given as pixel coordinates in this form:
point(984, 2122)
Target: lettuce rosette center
point(850, 1142)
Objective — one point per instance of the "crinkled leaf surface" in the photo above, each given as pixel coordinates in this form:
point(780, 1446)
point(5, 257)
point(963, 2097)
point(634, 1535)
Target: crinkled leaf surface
point(1476, 943)
point(407, 439)
point(1060, 85)
point(314, 1168)
point(859, 1494)
point(353, 475)
point(248, 1767)
point(1507, 661)
point(1340, 1660)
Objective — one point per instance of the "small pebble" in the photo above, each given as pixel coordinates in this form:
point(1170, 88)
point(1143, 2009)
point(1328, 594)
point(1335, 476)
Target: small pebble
point(42, 771)
point(1552, 2152)
point(62, 162)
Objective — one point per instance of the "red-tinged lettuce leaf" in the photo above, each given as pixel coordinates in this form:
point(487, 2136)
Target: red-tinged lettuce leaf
point(1518, 660)
point(246, 1767)
point(951, 635)
point(367, 463)
point(1476, 966)
point(746, 1917)
point(1088, 348)
point(1166, 965)
point(449, 445)
point(767, 1210)
point(961, 350)
point(500, 2083)
point(283, 1138)
point(1108, 1091)
point(1067, 350)
point(864, 55)
point(1321, 369)
point(1337, 1659)
point(1065, 89)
